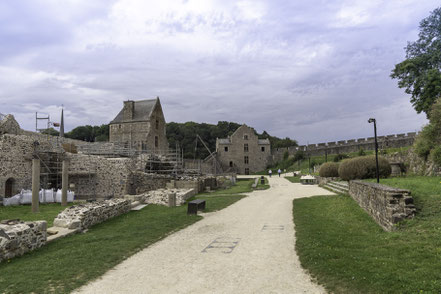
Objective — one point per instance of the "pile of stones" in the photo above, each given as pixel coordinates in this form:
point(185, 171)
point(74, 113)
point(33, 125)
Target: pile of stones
point(83, 216)
point(18, 237)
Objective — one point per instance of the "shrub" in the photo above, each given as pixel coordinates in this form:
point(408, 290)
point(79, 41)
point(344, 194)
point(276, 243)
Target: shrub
point(339, 157)
point(361, 152)
point(363, 168)
point(435, 155)
point(329, 169)
point(285, 155)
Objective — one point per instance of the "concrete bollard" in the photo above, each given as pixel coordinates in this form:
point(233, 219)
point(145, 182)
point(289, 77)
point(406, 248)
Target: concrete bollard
point(172, 200)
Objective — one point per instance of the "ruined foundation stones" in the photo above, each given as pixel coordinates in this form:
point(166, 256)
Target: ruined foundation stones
point(386, 205)
point(167, 197)
point(17, 237)
point(83, 216)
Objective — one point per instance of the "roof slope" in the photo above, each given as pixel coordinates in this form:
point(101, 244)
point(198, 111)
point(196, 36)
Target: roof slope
point(142, 111)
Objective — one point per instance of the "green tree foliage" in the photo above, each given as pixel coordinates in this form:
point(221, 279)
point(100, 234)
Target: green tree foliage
point(420, 72)
point(50, 131)
point(277, 142)
point(427, 144)
point(90, 133)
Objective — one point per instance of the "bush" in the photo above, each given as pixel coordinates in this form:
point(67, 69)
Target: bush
point(329, 169)
point(339, 157)
point(363, 168)
point(285, 155)
point(361, 152)
point(435, 155)
point(300, 155)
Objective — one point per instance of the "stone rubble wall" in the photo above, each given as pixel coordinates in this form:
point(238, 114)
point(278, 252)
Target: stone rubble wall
point(141, 182)
point(99, 177)
point(414, 164)
point(8, 125)
point(161, 196)
point(19, 237)
point(386, 205)
point(83, 216)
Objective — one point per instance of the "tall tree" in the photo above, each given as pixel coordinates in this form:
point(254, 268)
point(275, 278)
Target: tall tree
point(420, 72)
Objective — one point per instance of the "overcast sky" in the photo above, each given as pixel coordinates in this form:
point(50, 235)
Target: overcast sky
point(311, 70)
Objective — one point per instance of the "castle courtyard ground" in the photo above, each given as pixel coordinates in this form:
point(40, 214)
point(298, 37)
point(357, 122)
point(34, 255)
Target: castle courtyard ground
point(246, 248)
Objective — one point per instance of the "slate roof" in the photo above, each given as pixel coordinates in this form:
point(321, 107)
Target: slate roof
point(142, 111)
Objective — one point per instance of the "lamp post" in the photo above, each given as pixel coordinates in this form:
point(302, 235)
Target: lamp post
point(372, 120)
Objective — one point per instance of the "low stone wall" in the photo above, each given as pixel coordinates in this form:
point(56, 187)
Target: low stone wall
point(386, 205)
point(161, 196)
point(83, 216)
point(17, 237)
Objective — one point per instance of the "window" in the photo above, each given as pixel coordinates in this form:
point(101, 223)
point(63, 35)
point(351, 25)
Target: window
point(246, 160)
point(247, 171)
point(226, 148)
point(245, 147)
point(156, 141)
point(157, 124)
point(119, 126)
point(262, 148)
point(231, 164)
point(245, 137)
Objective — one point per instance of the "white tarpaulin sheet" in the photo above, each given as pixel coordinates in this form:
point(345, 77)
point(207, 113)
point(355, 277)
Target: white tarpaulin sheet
point(45, 196)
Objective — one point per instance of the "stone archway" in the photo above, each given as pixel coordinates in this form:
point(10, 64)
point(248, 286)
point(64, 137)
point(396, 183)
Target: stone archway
point(9, 187)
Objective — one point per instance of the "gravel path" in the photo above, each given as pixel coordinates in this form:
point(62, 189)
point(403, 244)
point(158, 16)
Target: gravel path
point(246, 248)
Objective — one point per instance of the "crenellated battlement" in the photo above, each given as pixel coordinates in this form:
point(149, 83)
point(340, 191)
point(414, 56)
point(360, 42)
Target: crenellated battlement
point(347, 146)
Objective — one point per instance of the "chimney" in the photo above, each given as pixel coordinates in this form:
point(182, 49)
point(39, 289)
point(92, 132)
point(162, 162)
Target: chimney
point(128, 110)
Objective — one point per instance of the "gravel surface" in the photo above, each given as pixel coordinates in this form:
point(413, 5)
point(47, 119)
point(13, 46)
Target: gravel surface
point(246, 248)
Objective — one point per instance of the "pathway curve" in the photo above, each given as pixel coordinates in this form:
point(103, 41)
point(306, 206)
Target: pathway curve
point(247, 247)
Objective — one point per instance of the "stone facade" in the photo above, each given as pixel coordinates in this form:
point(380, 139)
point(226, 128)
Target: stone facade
point(386, 205)
point(8, 125)
point(83, 216)
point(140, 125)
point(243, 152)
point(17, 237)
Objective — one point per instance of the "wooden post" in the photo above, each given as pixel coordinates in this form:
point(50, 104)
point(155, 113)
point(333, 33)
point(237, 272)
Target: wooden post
point(64, 182)
point(35, 184)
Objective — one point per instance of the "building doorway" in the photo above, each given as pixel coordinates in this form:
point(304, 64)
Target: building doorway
point(9, 187)
point(247, 171)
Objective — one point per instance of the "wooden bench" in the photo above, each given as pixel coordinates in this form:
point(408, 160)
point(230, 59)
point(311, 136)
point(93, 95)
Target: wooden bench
point(195, 205)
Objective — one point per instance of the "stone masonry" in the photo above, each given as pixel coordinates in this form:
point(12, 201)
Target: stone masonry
point(387, 206)
point(17, 237)
point(243, 152)
point(83, 216)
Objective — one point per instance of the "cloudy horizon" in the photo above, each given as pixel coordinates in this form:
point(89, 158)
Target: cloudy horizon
point(314, 71)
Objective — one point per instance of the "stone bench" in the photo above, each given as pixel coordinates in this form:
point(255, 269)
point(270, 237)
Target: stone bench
point(195, 205)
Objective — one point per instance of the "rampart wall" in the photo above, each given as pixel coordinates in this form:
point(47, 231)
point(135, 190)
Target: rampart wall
point(347, 146)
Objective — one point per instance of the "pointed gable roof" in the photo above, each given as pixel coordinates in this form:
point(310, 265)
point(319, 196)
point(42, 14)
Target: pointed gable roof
point(143, 110)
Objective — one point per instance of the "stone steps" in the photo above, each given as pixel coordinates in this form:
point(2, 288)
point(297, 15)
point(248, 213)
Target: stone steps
point(338, 187)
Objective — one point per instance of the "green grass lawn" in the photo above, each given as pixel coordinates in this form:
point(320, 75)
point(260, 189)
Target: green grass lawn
point(23, 212)
point(347, 252)
point(71, 262)
point(293, 179)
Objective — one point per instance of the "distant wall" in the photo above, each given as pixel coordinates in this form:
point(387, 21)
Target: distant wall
point(347, 146)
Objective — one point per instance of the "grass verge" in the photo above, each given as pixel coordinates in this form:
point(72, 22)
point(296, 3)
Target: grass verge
point(293, 179)
point(23, 212)
point(346, 251)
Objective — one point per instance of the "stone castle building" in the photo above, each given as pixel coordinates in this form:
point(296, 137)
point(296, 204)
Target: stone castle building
point(140, 125)
point(243, 152)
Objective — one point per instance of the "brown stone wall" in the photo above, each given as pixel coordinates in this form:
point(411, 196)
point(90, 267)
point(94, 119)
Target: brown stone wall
point(141, 182)
point(386, 205)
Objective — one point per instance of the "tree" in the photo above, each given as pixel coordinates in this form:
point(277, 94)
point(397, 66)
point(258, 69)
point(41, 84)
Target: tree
point(420, 72)
point(428, 143)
